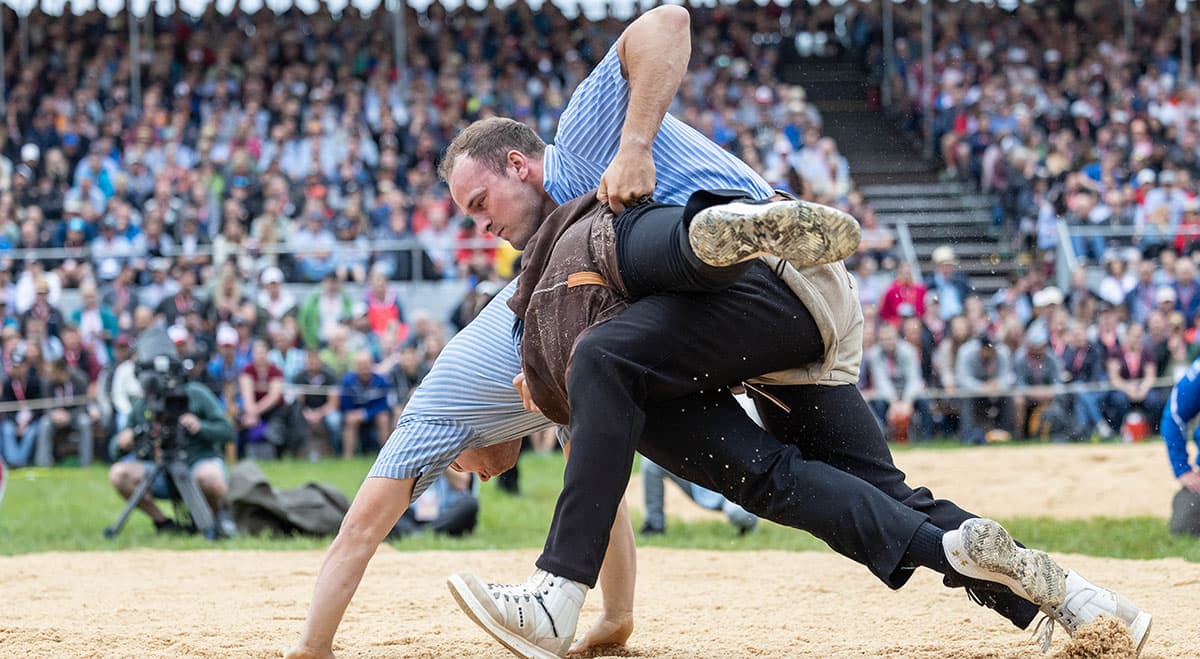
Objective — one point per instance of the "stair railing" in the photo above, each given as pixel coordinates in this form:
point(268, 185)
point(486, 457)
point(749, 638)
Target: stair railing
point(907, 250)
point(1067, 259)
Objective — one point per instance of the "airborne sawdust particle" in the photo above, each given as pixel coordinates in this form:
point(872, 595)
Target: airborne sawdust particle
point(1106, 638)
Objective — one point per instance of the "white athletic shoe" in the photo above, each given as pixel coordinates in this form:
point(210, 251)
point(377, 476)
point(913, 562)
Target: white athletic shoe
point(982, 549)
point(1084, 603)
point(804, 233)
point(533, 619)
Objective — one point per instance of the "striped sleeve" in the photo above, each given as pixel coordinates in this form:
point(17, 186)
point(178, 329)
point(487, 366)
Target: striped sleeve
point(420, 448)
point(590, 126)
point(589, 133)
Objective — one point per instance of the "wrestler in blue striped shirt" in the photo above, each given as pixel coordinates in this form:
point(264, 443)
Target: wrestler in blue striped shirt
point(467, 400)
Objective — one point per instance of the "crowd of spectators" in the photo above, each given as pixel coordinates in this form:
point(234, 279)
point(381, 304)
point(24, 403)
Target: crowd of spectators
point(940, 359)
point(1055, 114)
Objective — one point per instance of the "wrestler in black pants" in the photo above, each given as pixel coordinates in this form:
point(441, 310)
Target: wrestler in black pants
point(660, 355)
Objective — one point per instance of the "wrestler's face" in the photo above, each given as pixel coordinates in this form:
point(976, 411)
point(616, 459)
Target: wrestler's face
point(508, 204)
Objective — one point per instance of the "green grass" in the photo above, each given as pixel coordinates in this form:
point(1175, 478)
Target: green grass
point(66, 509)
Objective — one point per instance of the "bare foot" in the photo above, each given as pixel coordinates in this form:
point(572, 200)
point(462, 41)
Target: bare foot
point(606, 631)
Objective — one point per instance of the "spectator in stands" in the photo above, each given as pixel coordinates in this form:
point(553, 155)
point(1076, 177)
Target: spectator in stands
point(42, 310)
point(1015, 297)
point(1046, 303)
point(904, 298)
point(1083, 363)
point(273, 298)
point(1037, 366)
point(321, 411)
point(1187, 289)
point(338, 355)
point(19, 429)
point(49, 347)
point(97, 324)
point(65, 383)
point(383, 307)
point(1140, 300)
point(353, 251)
point(183, 302)
point(285, 354)
point(124, 387)
point(323, 310)
point(950, 284)
point(1112, 288)
point(223, 368)
point(871, 285)
point(877, 240)
point(984, 367)
point(263, 418)
point(364, 405)
point(896, 374)
point(80, 358)
point(449, 507)
point(1132, 371)
point(312, 246)
point(1161, 211)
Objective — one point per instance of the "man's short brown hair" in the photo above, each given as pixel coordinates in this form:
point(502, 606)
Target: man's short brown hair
point(489, 141)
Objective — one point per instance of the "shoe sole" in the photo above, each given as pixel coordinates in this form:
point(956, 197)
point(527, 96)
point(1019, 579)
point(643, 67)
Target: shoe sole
point(1140, 631)
point(982, 549)
point(470, 605)
point(803, 233)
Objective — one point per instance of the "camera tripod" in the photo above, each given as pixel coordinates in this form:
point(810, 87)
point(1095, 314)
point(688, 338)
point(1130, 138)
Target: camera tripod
point(179, 480)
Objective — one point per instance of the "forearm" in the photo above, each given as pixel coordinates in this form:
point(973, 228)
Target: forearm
point(619, 570)
point(378, 505)
point(1176, 444)
point(654, 52)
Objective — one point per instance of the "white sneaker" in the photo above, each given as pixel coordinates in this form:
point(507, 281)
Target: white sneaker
point(1085, 602)
point(804, 233)
point(533, 619)
point(982, 549)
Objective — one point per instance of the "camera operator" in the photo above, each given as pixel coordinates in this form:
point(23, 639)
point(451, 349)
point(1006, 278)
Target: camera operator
point(207, 430)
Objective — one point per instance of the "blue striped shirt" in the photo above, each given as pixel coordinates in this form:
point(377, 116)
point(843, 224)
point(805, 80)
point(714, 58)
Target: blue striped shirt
point(467, 400)
point(589, 133)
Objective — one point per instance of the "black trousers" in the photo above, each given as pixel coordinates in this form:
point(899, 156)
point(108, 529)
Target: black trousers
point(654, 379)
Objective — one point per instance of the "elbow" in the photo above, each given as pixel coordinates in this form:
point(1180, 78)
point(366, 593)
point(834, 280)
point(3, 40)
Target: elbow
point(665, 24)
point(673, 19)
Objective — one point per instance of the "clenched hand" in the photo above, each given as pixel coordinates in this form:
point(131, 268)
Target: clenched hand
point(629, 179)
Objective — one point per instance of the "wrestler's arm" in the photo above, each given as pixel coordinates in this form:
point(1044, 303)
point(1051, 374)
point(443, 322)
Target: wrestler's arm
point(654, 52)
point(378, 505)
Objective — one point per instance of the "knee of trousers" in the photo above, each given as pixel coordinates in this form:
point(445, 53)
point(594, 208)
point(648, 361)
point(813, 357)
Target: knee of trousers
point(598, 361)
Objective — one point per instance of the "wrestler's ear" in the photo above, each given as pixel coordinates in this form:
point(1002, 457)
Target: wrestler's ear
point(519, 163)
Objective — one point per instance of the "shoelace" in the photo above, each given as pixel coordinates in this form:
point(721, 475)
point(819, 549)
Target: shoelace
point(1043, 632)
point(510, 592)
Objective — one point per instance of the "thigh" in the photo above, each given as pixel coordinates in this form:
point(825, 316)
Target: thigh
point(210, 466)
point(672, 345)
point(834, 425)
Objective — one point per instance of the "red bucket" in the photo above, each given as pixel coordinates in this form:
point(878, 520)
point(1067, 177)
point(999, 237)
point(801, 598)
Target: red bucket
point(1135, 427)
